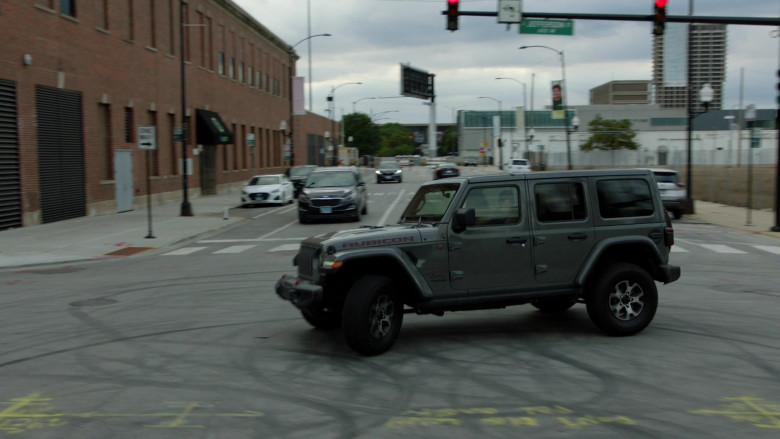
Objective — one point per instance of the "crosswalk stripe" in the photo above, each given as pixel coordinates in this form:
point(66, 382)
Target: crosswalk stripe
point(234, 249)
point(769, 248)
point(678, 249)
point(183, 251)
point(285, 248)
point(718, 248)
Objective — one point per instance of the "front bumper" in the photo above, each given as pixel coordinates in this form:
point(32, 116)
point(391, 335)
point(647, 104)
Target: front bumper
point(300, 293)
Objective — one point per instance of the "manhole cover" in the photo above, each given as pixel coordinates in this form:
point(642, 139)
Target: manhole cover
point(94, 302)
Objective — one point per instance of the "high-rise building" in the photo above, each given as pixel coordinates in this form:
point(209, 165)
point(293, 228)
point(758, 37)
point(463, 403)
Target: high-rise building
point(708, 64)
point(621, 92)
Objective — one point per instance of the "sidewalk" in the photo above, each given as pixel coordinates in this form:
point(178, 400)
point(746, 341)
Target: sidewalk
point(125, 234)
point(119, 235)
point(735, 217)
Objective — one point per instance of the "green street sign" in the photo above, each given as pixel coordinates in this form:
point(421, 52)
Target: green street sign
point(547, 27)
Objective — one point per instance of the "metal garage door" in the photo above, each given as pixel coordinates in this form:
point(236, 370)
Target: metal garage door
point(60, 154)
point(10, 182)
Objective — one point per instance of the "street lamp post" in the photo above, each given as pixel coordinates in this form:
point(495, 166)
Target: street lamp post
point(565, 101)
point(290, 79)
point(186, 207)
point(500, 150)
point(354, 110)
point(332, 101)
point(525, 125)
point(705, 96)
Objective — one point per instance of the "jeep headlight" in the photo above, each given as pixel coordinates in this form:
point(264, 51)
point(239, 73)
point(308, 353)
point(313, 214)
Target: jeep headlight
point(329, 262)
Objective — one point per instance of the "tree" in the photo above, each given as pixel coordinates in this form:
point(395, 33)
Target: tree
point(609, 135)
point(365, 135)
point(395, 139)
point(449, 141)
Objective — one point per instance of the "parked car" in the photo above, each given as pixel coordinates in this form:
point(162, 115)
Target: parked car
point(519, 165)
point(549, 239)
point(267, 189)
point(333, 193)
point(389, 171)
point(445, 170)
point(298, 175)
point(470, 161)
point(673, 193)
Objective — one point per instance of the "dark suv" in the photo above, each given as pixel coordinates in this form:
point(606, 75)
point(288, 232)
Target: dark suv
point(551, 239)
point(298, 175)
point(333, 193)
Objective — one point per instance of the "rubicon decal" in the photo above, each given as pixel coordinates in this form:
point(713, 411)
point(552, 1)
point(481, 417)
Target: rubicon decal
point(376, 242)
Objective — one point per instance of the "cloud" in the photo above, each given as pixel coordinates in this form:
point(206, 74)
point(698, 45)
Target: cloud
point(370, 38)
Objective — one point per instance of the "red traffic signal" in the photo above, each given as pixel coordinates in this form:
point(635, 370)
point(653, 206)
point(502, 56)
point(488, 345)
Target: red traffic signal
point(452, 14)
point(659, 18)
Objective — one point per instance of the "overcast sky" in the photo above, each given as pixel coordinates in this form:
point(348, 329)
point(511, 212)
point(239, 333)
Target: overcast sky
point(371, 38)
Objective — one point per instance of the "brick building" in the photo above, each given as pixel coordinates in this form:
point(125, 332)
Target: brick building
point(77, 79)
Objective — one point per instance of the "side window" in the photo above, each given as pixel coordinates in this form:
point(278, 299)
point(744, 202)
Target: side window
point(494, 205)
point(624, 198)
point(560, 202)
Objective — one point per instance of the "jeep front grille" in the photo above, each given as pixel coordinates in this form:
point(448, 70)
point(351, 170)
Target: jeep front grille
point(308, 261)
point(320, 202)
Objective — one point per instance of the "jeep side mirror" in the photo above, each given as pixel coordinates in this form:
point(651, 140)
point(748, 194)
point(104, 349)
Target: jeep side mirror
point(463, 219)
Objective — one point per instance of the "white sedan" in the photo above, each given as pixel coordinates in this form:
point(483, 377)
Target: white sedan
point(267, 189)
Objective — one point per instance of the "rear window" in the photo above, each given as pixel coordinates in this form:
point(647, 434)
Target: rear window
point(624, 198)
point(560, 202)
point(520, 162)
point(666, 177)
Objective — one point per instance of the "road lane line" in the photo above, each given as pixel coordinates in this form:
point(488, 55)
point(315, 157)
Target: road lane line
point(769, 248)
point(235, 249)
point(278, 230)
point(183, 251)
point(383, 220)
point(722, 248)
point(285, 248)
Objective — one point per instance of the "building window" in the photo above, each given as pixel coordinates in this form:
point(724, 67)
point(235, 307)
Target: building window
point(152, 25)
point(171, 27)
point(232, 68)
point(104, 125)
point(130, 21)
point(171, 144)
point(68, 7)
point(250, 75)
point(241, 72)
point(129, 137)
point(102, 14)
point(221, 60)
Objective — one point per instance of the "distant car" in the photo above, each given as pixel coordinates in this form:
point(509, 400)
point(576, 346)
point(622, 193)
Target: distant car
point(445, 170)
point(333, 193)
point(470, 161)
point(404, 160)
point(267, 189)
point(298, 175)
point(389, 171)
point(519, 165)
point(673, 193)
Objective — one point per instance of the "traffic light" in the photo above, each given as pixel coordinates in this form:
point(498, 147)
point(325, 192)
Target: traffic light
point(659, 19)
point(452, 14)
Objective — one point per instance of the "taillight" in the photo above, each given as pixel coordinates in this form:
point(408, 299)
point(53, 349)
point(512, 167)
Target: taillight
point(669, 236)
point(680, 184)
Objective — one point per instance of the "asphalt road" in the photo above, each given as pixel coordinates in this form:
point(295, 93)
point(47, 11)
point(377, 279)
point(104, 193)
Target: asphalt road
point(194, 343)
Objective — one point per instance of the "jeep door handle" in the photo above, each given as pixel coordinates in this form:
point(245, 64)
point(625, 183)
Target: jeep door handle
point(517, 240)
point(579, 236)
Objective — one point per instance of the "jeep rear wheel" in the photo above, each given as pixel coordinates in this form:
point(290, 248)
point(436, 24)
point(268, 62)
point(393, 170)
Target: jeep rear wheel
point(373, 314)
point(623, 300)
point(323, 318)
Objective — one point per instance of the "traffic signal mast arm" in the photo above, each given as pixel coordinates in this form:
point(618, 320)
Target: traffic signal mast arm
point(760, 21)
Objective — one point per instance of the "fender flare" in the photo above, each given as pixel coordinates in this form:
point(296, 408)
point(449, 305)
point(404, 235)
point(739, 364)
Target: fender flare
point(604, 245)
point(403, 260)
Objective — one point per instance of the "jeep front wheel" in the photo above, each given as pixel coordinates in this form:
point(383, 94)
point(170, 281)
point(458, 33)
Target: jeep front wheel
point(623, 300)
point(372, 315)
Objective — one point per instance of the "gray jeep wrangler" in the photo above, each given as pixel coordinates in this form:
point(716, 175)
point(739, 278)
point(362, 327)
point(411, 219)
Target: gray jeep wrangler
point(551, 239)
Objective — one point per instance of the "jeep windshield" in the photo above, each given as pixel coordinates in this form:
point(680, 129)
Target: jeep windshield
point(430, 203)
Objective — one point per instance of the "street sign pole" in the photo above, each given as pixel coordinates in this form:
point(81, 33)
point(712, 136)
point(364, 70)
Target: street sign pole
point(147, 140)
